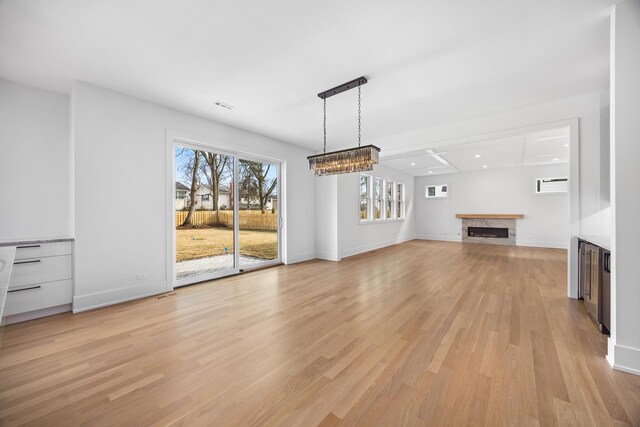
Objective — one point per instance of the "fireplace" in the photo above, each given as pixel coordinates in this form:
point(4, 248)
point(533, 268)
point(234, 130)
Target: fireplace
point(493, 232)
point(492, 229)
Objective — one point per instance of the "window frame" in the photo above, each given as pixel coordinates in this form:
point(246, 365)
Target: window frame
point(389, 202)
point(550, 193)
point(371, 199)
point(400, 201)
point(426, 191)
point(379, 199)
point(368, 197)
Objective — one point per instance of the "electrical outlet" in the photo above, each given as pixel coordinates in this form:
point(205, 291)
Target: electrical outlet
point(141, 276)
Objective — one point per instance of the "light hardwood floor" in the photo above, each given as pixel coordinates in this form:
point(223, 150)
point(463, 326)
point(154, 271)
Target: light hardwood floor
point(421, 333)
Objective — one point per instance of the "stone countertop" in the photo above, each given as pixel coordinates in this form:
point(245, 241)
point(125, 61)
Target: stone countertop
point(602, 241)
point(7, 253)
point(22, 242)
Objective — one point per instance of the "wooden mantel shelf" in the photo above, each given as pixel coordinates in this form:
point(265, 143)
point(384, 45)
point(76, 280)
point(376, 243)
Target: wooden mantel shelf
point(496, 216)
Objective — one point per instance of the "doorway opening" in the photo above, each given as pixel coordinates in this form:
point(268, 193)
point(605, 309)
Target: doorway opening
point(226, 212)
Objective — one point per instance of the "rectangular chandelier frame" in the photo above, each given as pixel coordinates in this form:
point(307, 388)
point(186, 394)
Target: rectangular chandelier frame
point(357, 159)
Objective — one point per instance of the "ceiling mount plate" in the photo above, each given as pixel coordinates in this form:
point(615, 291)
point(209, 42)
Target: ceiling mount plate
point(343, 87)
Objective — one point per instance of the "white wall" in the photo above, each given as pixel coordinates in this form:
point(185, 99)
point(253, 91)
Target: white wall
point(120, 145)
point(34, 164)
point(595, 206)
point(327, 232)
point(624, 343)
point(546, 221)
point(356, 237)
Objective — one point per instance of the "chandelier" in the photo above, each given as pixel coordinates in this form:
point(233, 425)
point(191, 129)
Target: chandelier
point(357, 159)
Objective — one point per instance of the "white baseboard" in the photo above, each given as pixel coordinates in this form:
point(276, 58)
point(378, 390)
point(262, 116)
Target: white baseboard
point(625, 359)
point(439, 238)
point(128, 293)
point(530, 243)
point(542, 244)
point(373, 246)
point(326, 256)
point(35, 314)
point(115, 296)
point(300, 258)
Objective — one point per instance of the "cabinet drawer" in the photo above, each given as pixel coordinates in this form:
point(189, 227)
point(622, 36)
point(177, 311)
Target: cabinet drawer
point(40, 270)
point(39, 250)
point(36, 297)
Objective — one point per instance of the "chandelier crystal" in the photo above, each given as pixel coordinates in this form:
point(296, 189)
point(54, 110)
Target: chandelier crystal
point(357, 159)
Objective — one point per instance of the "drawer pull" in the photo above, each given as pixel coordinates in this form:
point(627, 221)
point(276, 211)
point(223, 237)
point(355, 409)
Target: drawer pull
point(26, 262)
point(24, 289)
point(27, 246)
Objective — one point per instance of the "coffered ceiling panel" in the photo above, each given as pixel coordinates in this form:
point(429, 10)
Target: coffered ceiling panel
point(527, 149)
point(546, 147)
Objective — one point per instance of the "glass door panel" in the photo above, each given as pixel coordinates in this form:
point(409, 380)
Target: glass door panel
point(258, 212)
point(204, 210)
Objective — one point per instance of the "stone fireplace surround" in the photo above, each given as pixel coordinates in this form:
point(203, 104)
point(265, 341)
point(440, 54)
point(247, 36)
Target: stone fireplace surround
point(489, 220)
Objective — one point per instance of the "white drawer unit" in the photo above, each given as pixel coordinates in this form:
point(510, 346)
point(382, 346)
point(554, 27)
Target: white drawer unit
point(40, 270)
point(39, 250)
point(41, 281)
point(38, 296)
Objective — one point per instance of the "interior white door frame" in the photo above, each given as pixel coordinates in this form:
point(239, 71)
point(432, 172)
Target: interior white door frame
point(176, 138)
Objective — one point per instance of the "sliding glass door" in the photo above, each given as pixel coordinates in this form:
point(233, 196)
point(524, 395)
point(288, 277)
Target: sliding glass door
point(259, 212)
point(227, 213)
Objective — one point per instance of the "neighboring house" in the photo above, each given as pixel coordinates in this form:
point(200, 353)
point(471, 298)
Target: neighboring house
point(255, 203)
point(204, 199)
point(182, 196)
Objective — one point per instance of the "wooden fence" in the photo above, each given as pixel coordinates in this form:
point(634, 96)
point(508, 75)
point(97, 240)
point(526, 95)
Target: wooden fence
point(249, 220)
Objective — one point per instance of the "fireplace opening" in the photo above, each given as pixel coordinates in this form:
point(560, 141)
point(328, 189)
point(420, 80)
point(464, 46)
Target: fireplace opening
point(498, 233)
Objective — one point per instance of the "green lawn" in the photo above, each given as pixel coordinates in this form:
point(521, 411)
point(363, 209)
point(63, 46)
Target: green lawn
point(193, 243)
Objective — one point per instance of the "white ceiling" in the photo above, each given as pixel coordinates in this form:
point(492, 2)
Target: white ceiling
point(429, 62)
point(542, 147)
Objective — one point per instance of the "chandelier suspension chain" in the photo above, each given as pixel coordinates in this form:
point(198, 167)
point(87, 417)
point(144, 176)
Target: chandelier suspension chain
point(324, 126)
point(358, 115)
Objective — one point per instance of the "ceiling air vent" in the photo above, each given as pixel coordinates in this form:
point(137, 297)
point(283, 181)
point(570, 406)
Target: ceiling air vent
point(223, 105)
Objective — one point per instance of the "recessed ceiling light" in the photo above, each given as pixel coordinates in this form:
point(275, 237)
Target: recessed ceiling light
point(413, 164)
point(430, 171)
point(566, 145)
point(556, 159)
point(224, 105)
point(484, 166)
point(477, 156)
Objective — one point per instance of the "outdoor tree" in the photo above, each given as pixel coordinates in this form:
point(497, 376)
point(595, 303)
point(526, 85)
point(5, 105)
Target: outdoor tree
point(262, 186)
point(216, 169)
point(247, 188)
point(191, 170)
